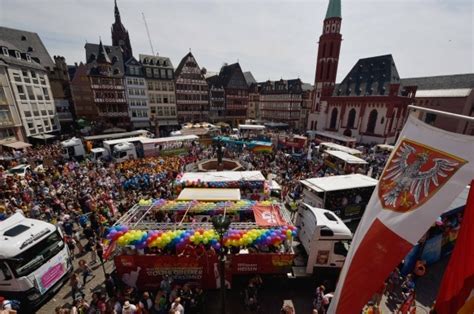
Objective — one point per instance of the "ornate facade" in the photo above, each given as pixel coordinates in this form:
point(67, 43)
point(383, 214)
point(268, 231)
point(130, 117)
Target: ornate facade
point(192, 91)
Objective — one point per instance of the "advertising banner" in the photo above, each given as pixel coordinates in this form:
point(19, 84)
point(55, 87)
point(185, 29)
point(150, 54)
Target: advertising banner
point(48, 274)
point(147, 271)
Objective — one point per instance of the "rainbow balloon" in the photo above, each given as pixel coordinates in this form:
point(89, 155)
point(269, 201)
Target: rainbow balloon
point(179, 239)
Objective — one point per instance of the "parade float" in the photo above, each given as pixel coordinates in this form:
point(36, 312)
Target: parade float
point(177, 239)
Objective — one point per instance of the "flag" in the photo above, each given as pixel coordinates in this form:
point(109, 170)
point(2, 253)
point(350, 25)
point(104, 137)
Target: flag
point(267, 216)
point(427, 169)
point(456, 293)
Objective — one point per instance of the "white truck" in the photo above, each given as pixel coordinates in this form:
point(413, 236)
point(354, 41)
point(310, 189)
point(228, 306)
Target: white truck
point(73, 148)
point(34, 260)
point(323, 237)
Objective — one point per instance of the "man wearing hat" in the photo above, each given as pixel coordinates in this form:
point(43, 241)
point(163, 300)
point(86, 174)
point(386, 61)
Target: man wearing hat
point(128, 308)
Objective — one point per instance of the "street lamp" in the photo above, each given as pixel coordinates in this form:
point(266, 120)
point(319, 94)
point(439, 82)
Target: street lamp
point(221, 225)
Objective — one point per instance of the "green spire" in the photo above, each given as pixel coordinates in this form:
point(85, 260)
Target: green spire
point(334, 9)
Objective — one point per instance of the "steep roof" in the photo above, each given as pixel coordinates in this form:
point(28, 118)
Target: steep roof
point(114, 53)
point(182, 63)
point(441, 81)
point(214, 81)
point(232, 76)
point(334, 9)
point(249, 78)
point(27, 42)
point(369, 76)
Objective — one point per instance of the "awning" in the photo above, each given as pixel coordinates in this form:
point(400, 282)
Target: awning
point(17, 145)
point(43, 136)
point(191, 194)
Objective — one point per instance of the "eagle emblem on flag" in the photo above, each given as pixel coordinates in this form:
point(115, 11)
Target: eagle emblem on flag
point(414, 173)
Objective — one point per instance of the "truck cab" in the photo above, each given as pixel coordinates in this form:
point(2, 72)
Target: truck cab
point(99, 153)
point(323, 236)
point(124, 151)
point(73, 148)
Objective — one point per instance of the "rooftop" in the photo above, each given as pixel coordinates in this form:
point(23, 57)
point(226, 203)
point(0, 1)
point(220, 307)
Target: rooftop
point(27, 42)
point(348, 158)
point(334, 9)
point(455, 81)
point(369, 77)
point(114, 54)
point(223, 176)
point(336, 183)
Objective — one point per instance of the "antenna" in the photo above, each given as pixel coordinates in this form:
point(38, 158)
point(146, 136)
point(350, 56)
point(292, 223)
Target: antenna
point(148, 33)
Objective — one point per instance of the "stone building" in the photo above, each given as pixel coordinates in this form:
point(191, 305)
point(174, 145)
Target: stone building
point(159, 75)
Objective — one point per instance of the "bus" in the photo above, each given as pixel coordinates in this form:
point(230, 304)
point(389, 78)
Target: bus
point(34, 260)
point(343, 162)
point(328, 146)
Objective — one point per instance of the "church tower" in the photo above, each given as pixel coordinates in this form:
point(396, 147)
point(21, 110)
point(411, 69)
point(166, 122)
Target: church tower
point(327, 61)
point(120, 36)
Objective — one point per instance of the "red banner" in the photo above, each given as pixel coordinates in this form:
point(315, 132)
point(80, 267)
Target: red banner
point(147, 271)
point(267, 216)
point(261, 263)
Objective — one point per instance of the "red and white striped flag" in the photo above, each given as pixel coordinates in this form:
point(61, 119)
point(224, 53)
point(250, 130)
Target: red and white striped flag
point(426, 171)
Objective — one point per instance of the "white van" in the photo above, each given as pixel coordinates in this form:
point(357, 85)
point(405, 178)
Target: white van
point(324, 237)
point(34, 260)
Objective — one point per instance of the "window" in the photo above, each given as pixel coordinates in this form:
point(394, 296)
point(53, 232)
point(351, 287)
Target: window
point(351, 118)
point(16, 77)
point(28, 57)
point(171, 99)
point(5, 273)
point(5, 51)
point(372, 121)
point(18, 55)
point(170, 74)
point(46, 94)
point(165, 100)
point(430, 118)
point(341, 248)
point(333, 123)
point(163, 73)
point(42, 80)
point(26, 77)
point(160, 111)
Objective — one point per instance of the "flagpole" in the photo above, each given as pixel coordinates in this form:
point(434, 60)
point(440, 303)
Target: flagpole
point(442, 113)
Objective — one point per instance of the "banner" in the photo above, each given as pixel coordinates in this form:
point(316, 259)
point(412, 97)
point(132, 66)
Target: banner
point(456, 293)
point(268, 216)
point(261, 263)
point(426, 171)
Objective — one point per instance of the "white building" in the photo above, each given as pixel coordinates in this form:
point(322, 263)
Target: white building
point(159, 74)
point(137, 95)
point(31, 91)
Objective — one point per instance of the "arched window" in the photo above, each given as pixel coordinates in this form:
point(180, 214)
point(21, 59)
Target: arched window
point(372, 121)
point(351, 118)
point(332, 125)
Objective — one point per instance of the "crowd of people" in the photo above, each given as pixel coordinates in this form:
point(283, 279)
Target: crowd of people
point(84, 197)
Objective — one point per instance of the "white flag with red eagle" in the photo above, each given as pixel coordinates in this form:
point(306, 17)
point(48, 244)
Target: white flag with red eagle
point(426, 171)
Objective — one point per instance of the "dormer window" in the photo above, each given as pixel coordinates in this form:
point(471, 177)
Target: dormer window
point(18, 55)
point(28, 57)
point(5, 51)
point(30, 49)
point(23, 38)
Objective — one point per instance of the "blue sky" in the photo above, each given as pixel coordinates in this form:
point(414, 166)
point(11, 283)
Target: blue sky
point(272, 38)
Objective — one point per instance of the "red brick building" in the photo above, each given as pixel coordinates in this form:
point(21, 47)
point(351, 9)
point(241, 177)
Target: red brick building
point(370, 104)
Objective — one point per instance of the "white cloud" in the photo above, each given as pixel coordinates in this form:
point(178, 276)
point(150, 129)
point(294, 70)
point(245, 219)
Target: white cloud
point(271, 38)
